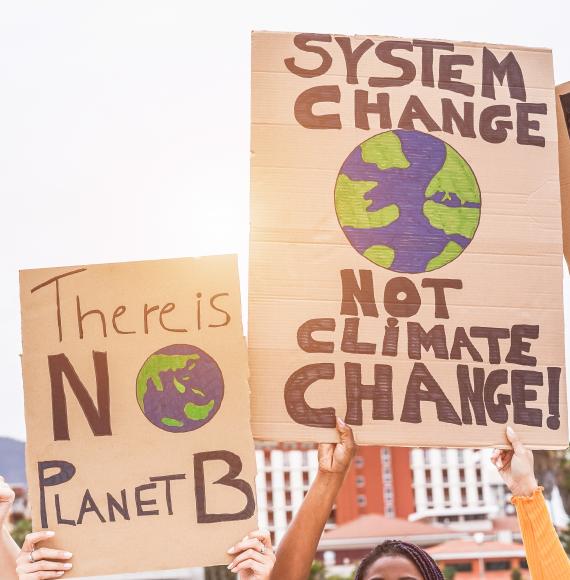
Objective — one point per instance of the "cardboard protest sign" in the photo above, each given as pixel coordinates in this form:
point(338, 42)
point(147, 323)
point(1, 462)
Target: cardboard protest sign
point(405, 269)
point(139, 451)
point(563, 110)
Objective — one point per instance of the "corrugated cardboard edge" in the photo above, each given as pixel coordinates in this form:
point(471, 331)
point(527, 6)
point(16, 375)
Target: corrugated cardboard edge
point(564, 160)
point(478, 44)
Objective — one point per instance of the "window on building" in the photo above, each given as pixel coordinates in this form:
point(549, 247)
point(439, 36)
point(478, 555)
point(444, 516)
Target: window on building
point(444, 475)
point(428, 476)
point(523, 564)
point(305, 478)
point(478, 474)
point(361, 500)
point(429, 495)
point(426, 456)
point(473, 517)
point(460, 567)
point(360, 481)
point(446, 495)
point(462, 475)
point(492, 565)
point(447, 519)
point(460, 456)
point(463, 495)
point(480, 494)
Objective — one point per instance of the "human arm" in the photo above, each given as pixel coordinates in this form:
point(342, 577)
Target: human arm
point(8, 548)
point(41, 563)
point(544, 552)
point(297, 549)
point(253, 557)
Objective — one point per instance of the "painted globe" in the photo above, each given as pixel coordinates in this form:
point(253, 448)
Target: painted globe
point(180, 388)
point(407, 201)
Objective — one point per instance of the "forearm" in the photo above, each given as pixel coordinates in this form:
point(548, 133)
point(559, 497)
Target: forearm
point(8, 553)
point(544, 552)
point(297, 549)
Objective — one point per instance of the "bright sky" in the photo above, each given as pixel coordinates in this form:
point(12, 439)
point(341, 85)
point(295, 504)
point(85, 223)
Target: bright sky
point(124, 125)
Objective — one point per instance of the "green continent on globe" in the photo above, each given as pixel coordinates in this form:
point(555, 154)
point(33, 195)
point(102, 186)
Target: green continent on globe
point(351, 207)
point(456, 177)
point(452, 220)
point(160, 363)
point(455, 180)
point(450, 252)
point(381, 255)
point(197, 412)
point(385, 151)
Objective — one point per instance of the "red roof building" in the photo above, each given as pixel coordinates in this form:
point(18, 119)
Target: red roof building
point(351, 541)
point(474, 560)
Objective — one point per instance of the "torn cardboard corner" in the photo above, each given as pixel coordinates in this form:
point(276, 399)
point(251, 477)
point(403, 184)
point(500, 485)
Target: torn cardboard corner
point(563, 113)
point(137, 412)
point(405, 269)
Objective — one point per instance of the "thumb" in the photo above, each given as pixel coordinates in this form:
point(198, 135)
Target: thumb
point(35, 537)
point(346, 434)
point(518, 445)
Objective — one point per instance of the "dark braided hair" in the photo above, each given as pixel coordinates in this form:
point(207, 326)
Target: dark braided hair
point(424, 562)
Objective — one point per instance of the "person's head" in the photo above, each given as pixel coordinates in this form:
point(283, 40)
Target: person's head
point(395, 560)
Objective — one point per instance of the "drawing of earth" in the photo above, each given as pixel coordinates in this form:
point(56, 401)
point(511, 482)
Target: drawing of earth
point(407, 201)
point(180, 388)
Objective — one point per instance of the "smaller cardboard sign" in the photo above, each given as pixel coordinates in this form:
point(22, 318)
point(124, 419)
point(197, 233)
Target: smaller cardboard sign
point(563, 113)
point(139, 455)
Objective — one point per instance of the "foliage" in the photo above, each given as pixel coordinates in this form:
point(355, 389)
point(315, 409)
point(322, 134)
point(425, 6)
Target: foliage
point(20, 530)
point(317, 571)
point(449, 573)
point(516, 574)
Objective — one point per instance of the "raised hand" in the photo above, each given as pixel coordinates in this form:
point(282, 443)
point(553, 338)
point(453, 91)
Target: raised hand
point(6, 500)
point(254, 557)
point(337, 457)
point(516, 466)
point(41, 563)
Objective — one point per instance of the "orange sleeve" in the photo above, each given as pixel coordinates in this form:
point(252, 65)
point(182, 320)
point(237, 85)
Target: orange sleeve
point(544, 553)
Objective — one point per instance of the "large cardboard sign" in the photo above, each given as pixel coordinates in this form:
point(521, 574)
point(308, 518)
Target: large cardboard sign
point(405, 242)
point(563, 110)
point(139, 452)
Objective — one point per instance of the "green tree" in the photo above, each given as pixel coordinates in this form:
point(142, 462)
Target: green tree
point(317, 571)
point(449, 573)
point(20, 530)
point(516, 574)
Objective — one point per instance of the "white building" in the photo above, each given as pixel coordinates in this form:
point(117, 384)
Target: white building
point(284, 475)
point(458, 487)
